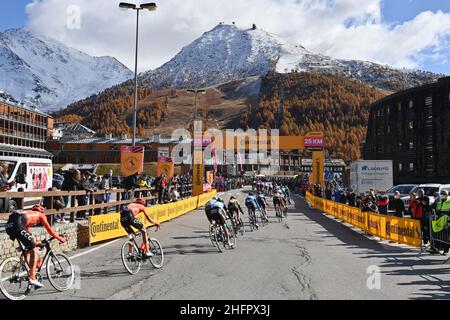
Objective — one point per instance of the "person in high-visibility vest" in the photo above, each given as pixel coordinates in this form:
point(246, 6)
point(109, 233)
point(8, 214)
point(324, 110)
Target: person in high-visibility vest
point(443, 209)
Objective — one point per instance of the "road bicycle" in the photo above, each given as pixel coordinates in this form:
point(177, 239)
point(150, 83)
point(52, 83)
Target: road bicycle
point(279, 213)
point(14, 272)
point(133, 255)
point(253, 220)
point(219, 239)
point(237, 224)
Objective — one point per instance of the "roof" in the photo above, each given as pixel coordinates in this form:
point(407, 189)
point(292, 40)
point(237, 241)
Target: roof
point(77, 128)
point(24, 150)
point(7, 99)
point(103, 140)
point(409, 91)
point(328, 162)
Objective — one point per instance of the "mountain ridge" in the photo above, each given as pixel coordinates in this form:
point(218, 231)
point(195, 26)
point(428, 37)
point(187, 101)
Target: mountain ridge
point(43, 72)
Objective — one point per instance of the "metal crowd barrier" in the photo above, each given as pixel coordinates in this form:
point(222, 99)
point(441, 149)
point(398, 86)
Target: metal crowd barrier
point(439, 237)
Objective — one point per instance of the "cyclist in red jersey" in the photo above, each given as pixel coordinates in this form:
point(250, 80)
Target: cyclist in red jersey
point(18, 228)
point(128, 219)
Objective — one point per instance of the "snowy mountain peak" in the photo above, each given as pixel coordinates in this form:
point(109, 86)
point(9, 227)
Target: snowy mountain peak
point(43, 72)
point(227, 53)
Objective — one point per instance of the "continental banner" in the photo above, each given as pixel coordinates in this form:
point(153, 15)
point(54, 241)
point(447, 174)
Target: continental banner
point(204, 198)
point(107, 227)
point(400, 230)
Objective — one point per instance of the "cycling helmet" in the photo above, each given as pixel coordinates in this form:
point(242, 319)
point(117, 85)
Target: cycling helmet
point(140, 201)
point(220, 200)
point(232, 198)
point(38, 208)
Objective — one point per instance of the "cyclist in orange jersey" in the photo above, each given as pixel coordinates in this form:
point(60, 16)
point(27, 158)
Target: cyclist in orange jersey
point(18, 228)
point(128, 219)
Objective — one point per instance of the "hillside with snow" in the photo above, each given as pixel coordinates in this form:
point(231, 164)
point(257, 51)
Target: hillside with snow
point(45, 73)
point(228, 53)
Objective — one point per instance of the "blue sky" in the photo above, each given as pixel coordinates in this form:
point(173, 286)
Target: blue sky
point(394, 12)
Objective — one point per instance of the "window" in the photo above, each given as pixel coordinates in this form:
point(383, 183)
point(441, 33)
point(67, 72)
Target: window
point(411, 104)
point(400, 167)
point(411, 125)
point(388, 129)
point(399, 106)
point(388, 111)
point(411, 146)
point(411, 167)
point(400, 146)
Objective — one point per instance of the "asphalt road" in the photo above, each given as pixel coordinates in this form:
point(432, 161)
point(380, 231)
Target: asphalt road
point(308, 256)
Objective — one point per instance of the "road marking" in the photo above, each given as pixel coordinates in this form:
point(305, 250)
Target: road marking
point(94, 249)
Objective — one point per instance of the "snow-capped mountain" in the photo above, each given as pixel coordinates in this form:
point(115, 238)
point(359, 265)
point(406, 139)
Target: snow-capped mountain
point(45, 73)
point(228, 53)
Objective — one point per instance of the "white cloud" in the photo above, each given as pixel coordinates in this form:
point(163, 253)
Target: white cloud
point(349, 29)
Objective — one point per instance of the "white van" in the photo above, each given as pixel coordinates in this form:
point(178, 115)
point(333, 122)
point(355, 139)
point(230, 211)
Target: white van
point(29, 174)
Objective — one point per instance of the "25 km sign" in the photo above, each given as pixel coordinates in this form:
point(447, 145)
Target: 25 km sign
point(314, 143)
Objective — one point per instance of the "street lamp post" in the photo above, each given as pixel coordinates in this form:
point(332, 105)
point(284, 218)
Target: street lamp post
point(196, 92)
point(131, 6)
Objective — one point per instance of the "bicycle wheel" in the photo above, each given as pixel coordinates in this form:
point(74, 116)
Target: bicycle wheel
point(211, 235)
point(251, 223)
point(218, 238)
point(158, 254)
point(232, 241)
point(131, 257)
point(60, 272)
point(14, 282)
point(241, 227)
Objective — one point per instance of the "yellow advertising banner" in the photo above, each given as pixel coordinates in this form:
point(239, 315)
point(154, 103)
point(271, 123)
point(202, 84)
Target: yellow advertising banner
point(400, 230)
point(107, 227)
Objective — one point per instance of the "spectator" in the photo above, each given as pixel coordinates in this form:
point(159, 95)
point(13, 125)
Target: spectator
point(421, 211)
point(351, 198)
point(130, 183)
point(58, 204)
point(162, 185)
point(370, 206)
point(411, 204)
point(442, 209)
point(174, 196)
point(398, 205)
point(103, 185)
point(83, 200)
point(383, 204)
point(71, 182)
point(4, 185)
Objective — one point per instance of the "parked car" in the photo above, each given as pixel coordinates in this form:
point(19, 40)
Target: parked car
point(57, 180)
point(404, 190)
point(431, 189)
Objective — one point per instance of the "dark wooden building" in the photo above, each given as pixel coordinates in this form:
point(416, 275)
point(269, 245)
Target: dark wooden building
point(412, 128)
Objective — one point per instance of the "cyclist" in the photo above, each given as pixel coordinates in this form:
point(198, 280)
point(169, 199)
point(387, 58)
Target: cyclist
point(286, 193)
point(128, 219)
point(18, 228)
point(252, 204)
point(234, 209)
point(278, 201)
point(262, 202)
point(215, 212)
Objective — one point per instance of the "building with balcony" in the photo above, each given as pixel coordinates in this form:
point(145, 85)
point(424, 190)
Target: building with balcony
point(412, 128)
point(23, 130)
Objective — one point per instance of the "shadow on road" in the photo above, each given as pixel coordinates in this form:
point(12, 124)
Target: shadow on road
point(406, 261)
